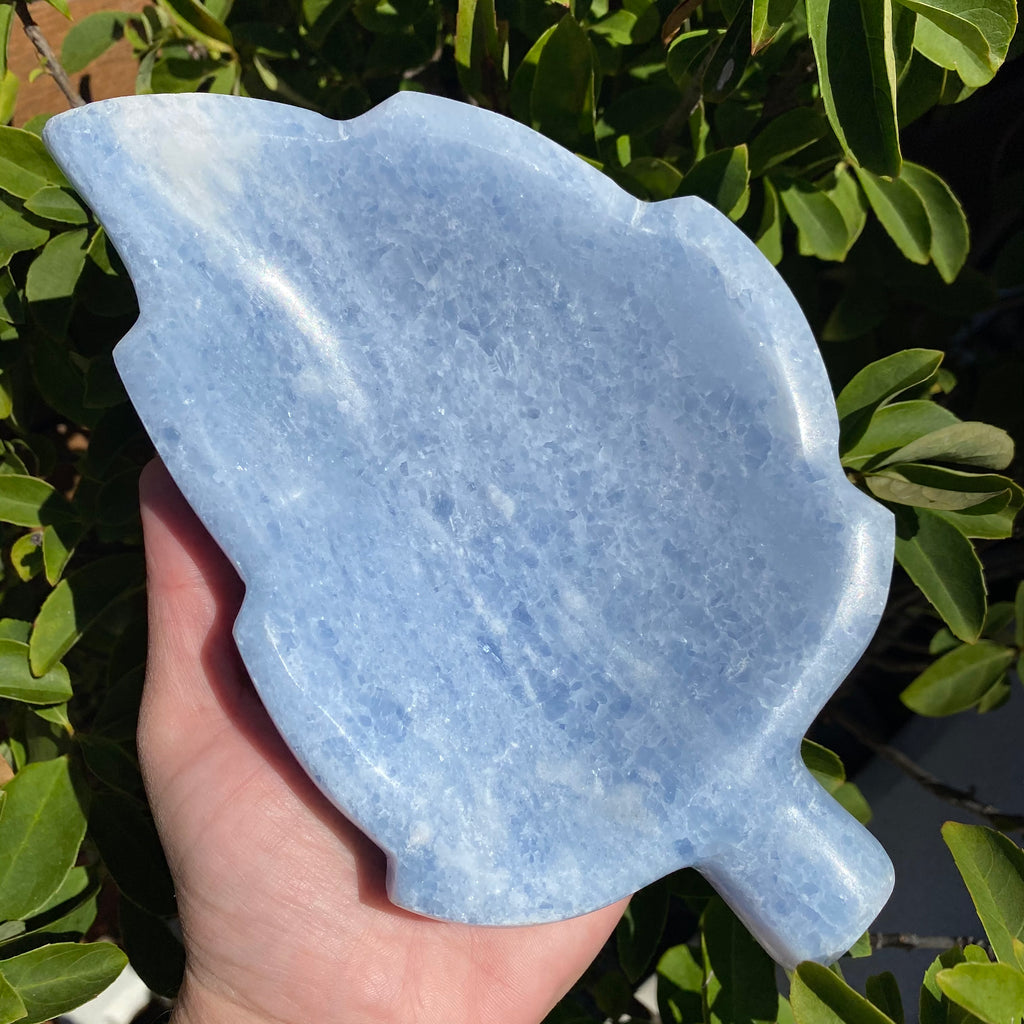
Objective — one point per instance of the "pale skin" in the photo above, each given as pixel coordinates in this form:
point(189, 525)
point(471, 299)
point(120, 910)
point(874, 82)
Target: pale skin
point(282, 901)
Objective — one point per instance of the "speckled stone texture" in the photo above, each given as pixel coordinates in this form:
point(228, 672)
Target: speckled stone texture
point(549, 557)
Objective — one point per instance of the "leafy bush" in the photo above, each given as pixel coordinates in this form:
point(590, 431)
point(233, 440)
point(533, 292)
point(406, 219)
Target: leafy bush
point(791, 119)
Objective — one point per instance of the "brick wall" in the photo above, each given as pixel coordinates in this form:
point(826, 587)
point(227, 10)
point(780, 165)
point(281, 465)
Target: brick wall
point(113, 74)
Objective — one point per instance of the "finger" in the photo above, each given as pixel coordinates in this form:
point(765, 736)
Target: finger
point(194, 595)
point(198, 704)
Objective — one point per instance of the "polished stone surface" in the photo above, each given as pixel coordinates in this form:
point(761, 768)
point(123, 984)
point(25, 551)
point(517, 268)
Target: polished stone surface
point(549, 557)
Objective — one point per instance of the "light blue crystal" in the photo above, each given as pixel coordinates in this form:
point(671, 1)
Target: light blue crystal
point(549, 557)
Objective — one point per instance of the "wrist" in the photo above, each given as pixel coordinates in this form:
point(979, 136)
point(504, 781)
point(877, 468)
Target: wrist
point(197, 1005)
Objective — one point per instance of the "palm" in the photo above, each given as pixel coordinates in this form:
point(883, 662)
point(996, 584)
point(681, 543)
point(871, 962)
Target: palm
point(282, 901)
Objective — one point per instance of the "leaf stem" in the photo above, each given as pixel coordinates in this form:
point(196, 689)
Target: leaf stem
point(961, 798)
point(43, 48)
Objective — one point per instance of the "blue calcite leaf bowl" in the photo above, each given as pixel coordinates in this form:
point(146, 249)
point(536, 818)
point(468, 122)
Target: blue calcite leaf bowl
point(549, 557)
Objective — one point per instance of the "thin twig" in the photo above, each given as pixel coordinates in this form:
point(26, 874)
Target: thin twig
point(907, 940)
point(961, 798)
point(53, 66)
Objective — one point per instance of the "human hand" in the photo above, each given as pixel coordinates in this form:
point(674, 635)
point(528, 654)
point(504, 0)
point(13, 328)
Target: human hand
point(282, 901)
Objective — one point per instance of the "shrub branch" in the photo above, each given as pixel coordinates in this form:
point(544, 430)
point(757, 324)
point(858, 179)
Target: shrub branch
point(961, 798)
point(45, 51)
point(907, 940)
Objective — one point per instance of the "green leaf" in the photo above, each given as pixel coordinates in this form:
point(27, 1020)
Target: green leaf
point(25, 164)
point(935, 1008)
point(18, 683)
point(18, 232)
point(767, 18)
point(828, 219)
point(884, 992)
point(612, 993)
point(180, 69)
point(950, 239)
point(6, 23)
point(992, 992)
point(743, 986)
point(853, 47)
point(562, 88)
point(769, 231)
point(131, 850)
point(59, 379)
point(479, 52)
point(200, 24)
point(658, 178)
point(61, 6)
point(996, 697)
point(877, 384)
point(29, 501)
point(920, 90)
point(852, 800)
point(680, 983)
point(992, 867)
point(11, 310)
point(785, 135)
point(730, 58)
point(639, 932)
point(968, 38)
point(824, 764)
point(51, 281)
point(67, 915)
point(934, 487)
point(111, 762)
point(1018, 611)
point(57, 978)
point(27, 556)
point(902, 213)
point(56, 714)
point(156, 953)
point(320, 16)
point(685, 52)
point(639, 112)
point(991, 490)
point(968, 444)
point(15, 629)
point(9, 86)
point(219, 9)
point(994, 525)
point(818, 996)
point(903, 23)
point(40, 832)
point(720, 179)
point(6, 396)
point(850, 201)
point(58, 546)
point(948, 52)
point(959, 679)
point(89, 38)
point(11, 1006)
point(998, 620)
point(77, 602)
point(828, 771)
point(636, 21)
point(943, 564)
point(54, 203)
